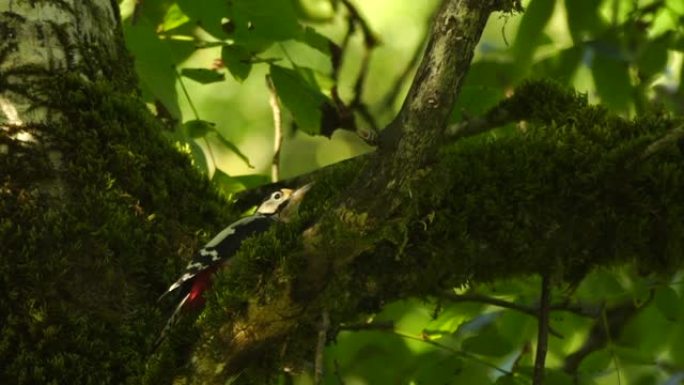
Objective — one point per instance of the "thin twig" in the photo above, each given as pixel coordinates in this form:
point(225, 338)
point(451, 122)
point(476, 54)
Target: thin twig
point(542, 331)
point(187, 94)
point(370, 42)
point(277, 129)
point(384, 325)
point(606, 325)
point(477, 125)
point(369, 37)
point(320, 347)
point(337, 373)
point(589, 311)
point(458, 352)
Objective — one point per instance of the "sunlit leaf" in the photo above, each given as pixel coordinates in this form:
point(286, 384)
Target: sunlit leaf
point(199, 160)
point(308, 105)
point(203, 75)
point(173, 18)
point(230, 145)
point(200, 128)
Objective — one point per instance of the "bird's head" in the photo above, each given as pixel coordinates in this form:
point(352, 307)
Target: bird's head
point(283, 203)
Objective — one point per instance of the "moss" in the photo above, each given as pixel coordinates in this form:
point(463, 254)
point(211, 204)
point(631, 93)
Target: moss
point(82, 267)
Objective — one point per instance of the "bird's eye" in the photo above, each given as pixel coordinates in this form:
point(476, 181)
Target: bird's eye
point(277, 195)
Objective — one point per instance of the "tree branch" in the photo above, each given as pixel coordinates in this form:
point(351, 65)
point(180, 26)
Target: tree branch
point(543, 331)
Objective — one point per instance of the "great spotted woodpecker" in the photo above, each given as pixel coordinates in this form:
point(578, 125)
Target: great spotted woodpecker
point(279, 207)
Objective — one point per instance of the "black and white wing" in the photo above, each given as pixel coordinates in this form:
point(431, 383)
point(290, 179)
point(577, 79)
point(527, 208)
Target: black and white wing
point(223, 246)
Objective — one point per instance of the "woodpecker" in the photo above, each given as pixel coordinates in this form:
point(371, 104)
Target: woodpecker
point(280, 206)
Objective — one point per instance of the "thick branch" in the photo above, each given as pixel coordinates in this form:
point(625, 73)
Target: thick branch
point(455, 32)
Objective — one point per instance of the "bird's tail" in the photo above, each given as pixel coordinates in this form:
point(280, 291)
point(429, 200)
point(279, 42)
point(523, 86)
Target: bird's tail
point(172, 321)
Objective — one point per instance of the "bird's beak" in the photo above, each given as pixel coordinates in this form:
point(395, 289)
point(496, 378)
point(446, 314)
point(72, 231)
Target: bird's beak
point(296, 198)
point(299, 193)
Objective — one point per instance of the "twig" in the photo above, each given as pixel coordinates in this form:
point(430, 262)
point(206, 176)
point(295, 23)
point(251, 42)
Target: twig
point(542, 331)
point(385, 325)
point(469, 127)
point(672, 137)
point(277, 129)
point(187, 94)
point(337, 373)
point(611, 348)
point(590, 311)
point(369, 37)
point(320, 347)
point(455, 351)
point(370, 42)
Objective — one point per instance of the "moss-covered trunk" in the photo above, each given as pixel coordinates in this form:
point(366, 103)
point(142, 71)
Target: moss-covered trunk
point(95, 206)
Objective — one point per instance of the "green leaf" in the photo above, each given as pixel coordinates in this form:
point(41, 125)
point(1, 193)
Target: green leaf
point(256, 24)
point(197, 128)
point(583, 18)
point(226, 183)
point(173, 18)
point(437, 369)
point(653, 57)
point(528, 38)
point(488, 343)
point(309, 107)
point(315, 40)
point(596, 362)
point(203, 75)
point(557, 377)
point(511, 379)
point(252, 180)
point(237, 59)
point(206, 13)
point(634, 356)
point(230, 145)
point(611, 77)
point(154, 64)
point(199, 160)
point(667, 302)
point(200, 128)
point(562, 66)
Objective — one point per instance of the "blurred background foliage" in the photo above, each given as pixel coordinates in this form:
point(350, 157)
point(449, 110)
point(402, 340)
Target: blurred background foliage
point(340, 68)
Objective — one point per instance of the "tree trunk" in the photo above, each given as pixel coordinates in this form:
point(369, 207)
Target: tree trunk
point(96, 207)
